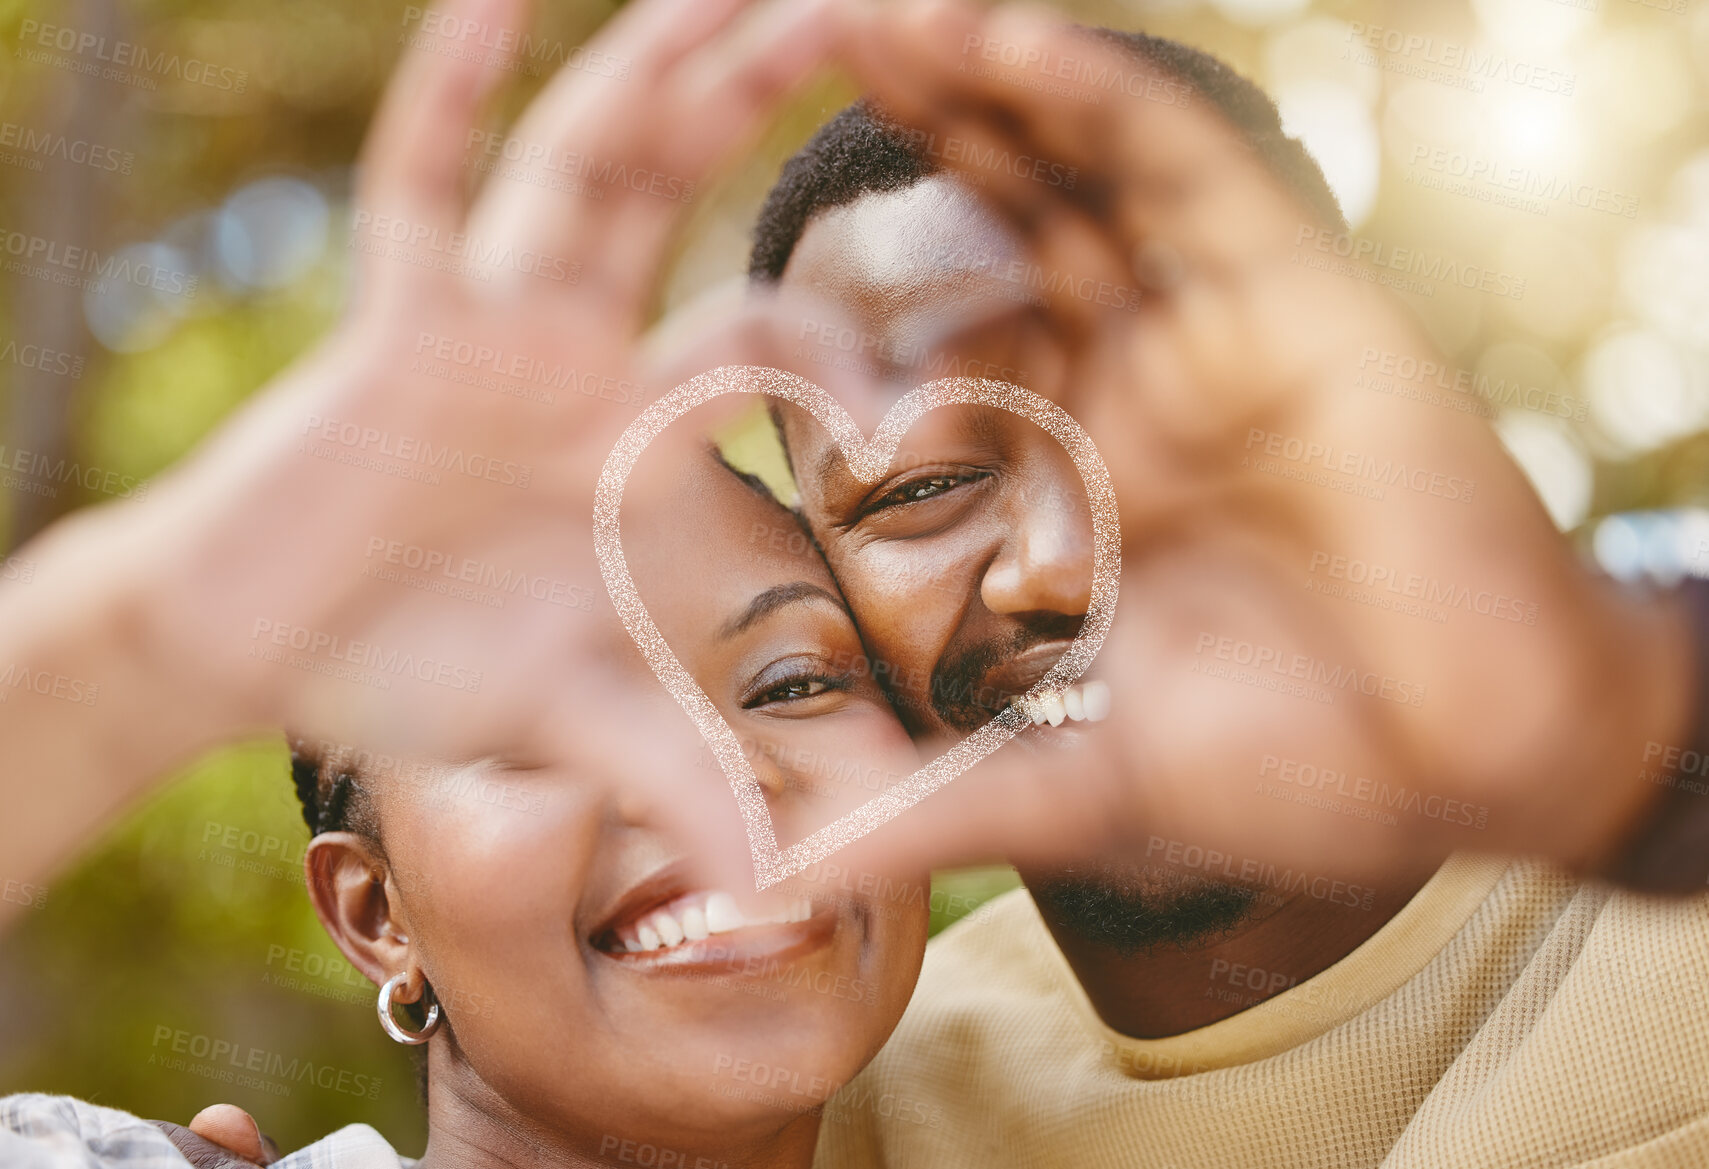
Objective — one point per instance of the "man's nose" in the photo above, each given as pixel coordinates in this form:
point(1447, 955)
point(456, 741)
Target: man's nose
point(1044, 564)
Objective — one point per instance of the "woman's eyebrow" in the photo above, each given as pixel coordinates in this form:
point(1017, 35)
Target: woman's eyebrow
point(773, 599)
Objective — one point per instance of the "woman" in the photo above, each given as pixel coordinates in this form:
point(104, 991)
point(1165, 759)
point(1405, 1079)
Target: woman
point(589, 1000)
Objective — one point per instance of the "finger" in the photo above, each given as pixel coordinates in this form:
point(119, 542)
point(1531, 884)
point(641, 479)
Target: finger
point(647, 150)
point(1008, 67)
point(198, 1151)
point(232, 1128)
point(412, 164)
point(736, 324)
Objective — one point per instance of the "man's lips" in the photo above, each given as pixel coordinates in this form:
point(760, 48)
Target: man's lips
point(1015, 675)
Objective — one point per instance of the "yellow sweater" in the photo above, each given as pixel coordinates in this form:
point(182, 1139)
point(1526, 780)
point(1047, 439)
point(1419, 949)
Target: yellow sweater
point(1507, 1016)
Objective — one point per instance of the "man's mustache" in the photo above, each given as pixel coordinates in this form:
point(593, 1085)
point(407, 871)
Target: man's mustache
point(959, 692)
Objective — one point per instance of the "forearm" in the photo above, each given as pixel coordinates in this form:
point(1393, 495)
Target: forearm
point(89, 714)
point(1663, 845)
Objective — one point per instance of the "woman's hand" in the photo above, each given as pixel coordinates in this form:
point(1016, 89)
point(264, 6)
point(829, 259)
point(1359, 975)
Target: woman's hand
point(391, 545)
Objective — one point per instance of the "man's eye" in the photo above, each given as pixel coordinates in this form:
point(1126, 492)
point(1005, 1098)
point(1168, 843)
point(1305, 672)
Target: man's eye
point(926, 487)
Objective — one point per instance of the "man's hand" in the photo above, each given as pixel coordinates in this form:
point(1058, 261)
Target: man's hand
point(1483, 690)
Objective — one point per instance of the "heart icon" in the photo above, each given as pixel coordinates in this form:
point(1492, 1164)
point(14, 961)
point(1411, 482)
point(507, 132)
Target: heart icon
point(867, 461)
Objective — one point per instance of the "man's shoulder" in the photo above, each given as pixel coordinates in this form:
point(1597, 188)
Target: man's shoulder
point(1009, 925)
point(994, 970)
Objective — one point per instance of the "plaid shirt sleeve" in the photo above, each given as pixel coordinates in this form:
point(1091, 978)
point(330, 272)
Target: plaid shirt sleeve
point(59, 1132)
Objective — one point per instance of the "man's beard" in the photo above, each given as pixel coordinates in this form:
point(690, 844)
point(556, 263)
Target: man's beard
point(1113, 905)
point(1119, 908)
point(959, 696)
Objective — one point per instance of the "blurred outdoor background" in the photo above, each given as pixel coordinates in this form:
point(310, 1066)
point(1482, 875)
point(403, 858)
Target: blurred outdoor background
point(1533, 176)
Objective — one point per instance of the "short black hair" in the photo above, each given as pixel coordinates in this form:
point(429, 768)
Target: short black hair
point(860, 151)
point(331, 796)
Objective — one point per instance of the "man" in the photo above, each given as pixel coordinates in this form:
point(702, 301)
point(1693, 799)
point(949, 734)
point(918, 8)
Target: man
point(1197, 1008)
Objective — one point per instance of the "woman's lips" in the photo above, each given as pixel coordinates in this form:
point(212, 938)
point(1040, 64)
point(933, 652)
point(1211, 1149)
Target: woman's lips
point(646, 944)
point(694, 917)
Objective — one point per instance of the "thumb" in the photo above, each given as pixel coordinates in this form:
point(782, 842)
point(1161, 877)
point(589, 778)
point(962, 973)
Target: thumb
point(231, 1128)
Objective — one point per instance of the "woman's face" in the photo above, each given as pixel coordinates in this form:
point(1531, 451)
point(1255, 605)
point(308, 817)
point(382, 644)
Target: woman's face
point(585, 975)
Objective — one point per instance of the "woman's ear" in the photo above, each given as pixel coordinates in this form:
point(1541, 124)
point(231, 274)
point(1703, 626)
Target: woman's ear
point(359, 906)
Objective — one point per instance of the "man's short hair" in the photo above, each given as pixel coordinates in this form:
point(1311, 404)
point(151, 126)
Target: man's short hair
point(860, 151)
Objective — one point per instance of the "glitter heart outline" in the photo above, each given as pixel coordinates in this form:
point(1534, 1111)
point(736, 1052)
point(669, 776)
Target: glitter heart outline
point(868, 460)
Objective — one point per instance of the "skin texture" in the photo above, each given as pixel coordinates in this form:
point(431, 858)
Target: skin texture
point(987, 510)
point(556, 1051)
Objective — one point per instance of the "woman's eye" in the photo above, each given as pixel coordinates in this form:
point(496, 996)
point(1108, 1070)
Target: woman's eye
point(796, 689)
point(926, 487)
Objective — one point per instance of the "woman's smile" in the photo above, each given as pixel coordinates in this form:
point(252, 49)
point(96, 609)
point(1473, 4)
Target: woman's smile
point(663, 922)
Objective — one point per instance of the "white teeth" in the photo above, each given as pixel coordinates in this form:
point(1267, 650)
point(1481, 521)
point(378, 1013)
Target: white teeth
point(1095, 698)
point(670, 933)
point(632, 946)
point(649, 936)
point(1082, 702)
point(1071, 700)
point(722, 914)
point(694, 924)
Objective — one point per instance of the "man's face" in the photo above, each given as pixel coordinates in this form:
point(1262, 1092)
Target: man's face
point(969, 565)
